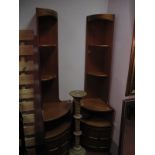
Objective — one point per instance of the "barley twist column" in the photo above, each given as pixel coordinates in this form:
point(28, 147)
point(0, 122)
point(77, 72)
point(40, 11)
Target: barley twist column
point(77, 96)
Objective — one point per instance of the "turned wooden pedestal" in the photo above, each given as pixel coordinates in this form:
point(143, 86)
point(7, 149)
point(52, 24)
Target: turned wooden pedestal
point(77, 149)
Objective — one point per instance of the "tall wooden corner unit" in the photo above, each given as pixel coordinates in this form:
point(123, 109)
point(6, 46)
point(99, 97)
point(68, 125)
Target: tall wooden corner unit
point(97, 114)
point(27, 88)
point(55, 113)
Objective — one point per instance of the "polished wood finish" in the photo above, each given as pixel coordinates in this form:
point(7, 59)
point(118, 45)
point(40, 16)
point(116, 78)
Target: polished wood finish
point(97, 122)
point(58, 130)
point(108, 17)
point(46, 12)
point(98, 55)
point(97, 114)
point(48, 51)
point(55, 113)
point(97, 73)
point(95, 104)
point(58, 139)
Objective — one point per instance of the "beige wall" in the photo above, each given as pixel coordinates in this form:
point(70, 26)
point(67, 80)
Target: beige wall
point(71, 35)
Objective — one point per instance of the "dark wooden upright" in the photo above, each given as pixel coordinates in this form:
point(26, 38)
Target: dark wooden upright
point(97, 114)
point(55, 113)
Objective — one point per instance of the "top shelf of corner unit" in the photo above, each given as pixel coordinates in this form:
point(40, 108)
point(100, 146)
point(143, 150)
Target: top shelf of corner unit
point(46, 12)
point(106, 17)
point(97, 74)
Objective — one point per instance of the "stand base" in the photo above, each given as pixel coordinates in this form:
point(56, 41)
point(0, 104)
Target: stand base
point(77, 151)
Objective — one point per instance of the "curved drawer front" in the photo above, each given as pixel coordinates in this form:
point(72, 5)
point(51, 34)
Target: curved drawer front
point(95, 143)
point(97, 132)
point(57, 141)
point(59, 150)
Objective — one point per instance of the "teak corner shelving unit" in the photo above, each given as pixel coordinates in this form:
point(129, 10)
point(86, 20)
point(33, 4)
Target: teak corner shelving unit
point(97, 114)
point(55, 113)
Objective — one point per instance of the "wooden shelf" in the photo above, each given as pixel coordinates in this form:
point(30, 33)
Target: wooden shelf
point(97, 122)
point(95, 104)
point(48, 77)
point(41, 12)
point(47, 46)
point(55, 110)
point(97, 73)
point(98, 46)
point(57, 131)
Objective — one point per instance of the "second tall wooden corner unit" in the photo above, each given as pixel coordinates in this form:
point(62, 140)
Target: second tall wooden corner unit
point(97, 114)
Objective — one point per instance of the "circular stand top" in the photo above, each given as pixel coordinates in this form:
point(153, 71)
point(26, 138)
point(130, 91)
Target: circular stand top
point(78, 93)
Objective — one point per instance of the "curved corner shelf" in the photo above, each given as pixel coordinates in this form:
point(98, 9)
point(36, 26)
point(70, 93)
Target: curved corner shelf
point(95, 104)
point(55, 110)
point(47, 46)
point(97, 122)
point(58, 131)
point(48, 77)
point(46, 12)
point(97, 74)
point(98, 46)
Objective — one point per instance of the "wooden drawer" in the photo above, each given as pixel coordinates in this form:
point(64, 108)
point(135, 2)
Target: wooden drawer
point(97, 132)
point(58, 141)
point(95, 143)
point(59, 150)
point(58, 137)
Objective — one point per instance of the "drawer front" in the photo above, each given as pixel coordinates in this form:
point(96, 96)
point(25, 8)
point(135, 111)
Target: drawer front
point(96, 144)
point(59, 150)
point(58, 141)
point(97, 132)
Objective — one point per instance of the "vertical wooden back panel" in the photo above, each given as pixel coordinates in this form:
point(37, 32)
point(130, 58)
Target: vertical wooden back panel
point(27, 86)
